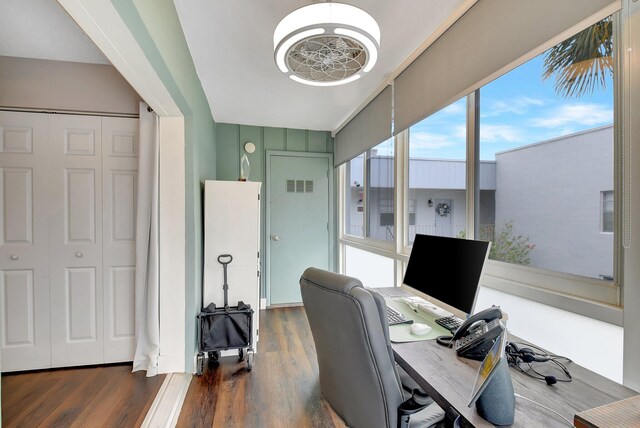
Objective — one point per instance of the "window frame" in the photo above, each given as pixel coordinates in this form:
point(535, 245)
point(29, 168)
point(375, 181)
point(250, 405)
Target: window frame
point(592, 297)
point(603, 210)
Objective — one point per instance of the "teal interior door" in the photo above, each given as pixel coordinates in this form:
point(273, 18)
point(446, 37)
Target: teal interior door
point(298, 217)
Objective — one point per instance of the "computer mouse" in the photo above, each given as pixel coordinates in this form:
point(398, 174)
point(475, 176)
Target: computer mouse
point(420, 329)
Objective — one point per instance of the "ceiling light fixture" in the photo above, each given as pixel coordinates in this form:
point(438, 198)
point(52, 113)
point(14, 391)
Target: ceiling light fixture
point(326, 44)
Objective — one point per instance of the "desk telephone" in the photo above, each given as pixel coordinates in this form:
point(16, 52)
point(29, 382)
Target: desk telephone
point(476, 335)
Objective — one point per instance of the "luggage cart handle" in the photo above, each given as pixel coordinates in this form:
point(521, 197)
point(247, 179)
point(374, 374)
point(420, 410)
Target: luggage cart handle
point(221, 258)
point(225, 286)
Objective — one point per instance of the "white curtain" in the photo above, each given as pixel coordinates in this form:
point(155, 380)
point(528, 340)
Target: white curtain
point(147, 253)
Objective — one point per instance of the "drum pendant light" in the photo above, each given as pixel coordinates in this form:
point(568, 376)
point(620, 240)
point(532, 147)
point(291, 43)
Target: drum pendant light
point(326, 44)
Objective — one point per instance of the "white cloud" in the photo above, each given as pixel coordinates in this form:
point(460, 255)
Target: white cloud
point(460, 132)
point(514, 106)
point(493, 133)
point(455, 108)
point(430, 141)
point(575, 114)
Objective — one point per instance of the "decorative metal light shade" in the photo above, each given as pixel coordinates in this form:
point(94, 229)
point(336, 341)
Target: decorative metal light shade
point(326, 44)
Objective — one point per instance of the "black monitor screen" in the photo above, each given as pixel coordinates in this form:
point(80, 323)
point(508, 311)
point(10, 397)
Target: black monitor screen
point(447, 269)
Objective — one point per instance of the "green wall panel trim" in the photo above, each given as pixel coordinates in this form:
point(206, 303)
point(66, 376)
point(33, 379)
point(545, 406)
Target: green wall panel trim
point(296, 140)
point(275, 138)
point(317, 141)
point(330, 143)
point(230, 139)
point(227, 151)
point(156, 28)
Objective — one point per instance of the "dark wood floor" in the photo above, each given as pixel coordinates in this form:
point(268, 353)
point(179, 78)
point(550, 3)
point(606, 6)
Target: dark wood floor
point(282, 390)
point(109, 396)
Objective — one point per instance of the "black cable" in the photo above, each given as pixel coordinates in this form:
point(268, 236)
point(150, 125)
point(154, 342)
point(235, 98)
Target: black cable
point(516, 355)
point(542, 352)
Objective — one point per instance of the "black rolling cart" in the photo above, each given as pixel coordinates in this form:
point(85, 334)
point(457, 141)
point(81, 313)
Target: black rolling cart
point(221, 329)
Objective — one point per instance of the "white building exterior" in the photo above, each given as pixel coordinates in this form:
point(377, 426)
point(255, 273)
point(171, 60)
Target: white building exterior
point(537, 187)
point(541, 186)
point(432, 182)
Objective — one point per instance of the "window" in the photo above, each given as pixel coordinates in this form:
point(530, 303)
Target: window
point(387, 217)
point(354, 197)
point(386, 212)
point(538, 145)
point(546, 144)
point(372, 269)
point(380, 190)
point(607, 211)
point(437, 173)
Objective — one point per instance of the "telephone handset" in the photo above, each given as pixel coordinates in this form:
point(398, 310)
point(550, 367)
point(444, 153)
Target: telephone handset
point(476, 335)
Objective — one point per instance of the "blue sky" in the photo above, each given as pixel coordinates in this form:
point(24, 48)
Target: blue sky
point(517, 109)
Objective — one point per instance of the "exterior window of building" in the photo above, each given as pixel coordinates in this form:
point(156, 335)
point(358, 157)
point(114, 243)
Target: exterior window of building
point(607, 211)
point(386, 212)
point(387, 217)
point(354, 197)
point(546, 143)
point(437, 173)
point(379, 188)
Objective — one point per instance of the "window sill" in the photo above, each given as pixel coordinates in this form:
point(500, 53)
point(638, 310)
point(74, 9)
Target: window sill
point(600, 311)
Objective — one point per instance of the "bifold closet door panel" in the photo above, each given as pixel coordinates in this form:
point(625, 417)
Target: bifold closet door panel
point(24, 264)
point(75, 240)
point(120, 185)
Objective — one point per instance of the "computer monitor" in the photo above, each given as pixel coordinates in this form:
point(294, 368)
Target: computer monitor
point(447, 269)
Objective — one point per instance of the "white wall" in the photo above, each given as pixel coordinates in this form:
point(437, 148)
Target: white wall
point(371, 269)
point(552, 193)
point(588, 342)
point(61, 85)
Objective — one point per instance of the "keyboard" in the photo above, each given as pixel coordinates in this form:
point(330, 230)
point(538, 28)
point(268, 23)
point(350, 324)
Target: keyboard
point(450, 323)
point(394, 317)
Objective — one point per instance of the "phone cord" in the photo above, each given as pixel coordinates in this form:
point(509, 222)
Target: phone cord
point(545, 407)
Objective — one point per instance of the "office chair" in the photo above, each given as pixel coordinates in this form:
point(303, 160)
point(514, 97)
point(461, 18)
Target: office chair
point(358, 374)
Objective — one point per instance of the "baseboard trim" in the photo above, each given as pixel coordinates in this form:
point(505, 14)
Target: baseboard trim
point(171, 363)
point(286, 305)
point(165, 409)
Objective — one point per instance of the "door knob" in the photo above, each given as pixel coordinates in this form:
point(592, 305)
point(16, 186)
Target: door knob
point(79, 254)
point(14, 257)
point(275, 238)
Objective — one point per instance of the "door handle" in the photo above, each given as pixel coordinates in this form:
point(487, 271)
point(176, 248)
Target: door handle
point(275, 238)
point(79, 254)
point(14, 257)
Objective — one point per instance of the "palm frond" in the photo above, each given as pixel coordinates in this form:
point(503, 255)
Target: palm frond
point(581, 63)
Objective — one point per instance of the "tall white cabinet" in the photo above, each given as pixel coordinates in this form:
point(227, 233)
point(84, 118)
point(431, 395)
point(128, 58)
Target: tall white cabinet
point(232, 226)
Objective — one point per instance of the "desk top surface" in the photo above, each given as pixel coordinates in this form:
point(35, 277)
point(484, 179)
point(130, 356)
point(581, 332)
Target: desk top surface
point(448, 379)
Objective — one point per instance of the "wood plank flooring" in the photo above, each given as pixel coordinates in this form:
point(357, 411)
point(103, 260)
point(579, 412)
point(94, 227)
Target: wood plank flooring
point(105, 396)
point(282, 390)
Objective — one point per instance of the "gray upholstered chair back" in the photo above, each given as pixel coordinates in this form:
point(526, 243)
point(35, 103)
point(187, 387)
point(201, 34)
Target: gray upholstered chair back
point(357, 371)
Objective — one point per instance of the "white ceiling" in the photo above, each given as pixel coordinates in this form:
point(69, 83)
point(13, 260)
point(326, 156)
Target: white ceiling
point(42, 29)
point(231, 43)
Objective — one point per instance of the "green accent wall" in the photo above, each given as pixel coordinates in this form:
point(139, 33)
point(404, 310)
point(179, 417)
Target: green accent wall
point(230, 140)
point(156, 27)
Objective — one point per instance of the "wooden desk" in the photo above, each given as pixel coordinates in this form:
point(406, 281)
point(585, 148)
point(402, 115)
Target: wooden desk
point(621, 414)
point(449, 379)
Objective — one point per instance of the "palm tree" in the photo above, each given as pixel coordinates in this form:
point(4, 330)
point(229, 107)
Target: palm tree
point(582, 62)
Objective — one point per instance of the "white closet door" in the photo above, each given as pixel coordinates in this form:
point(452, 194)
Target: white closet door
point(120, 180)
point(75, 245)
point(24, 264)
